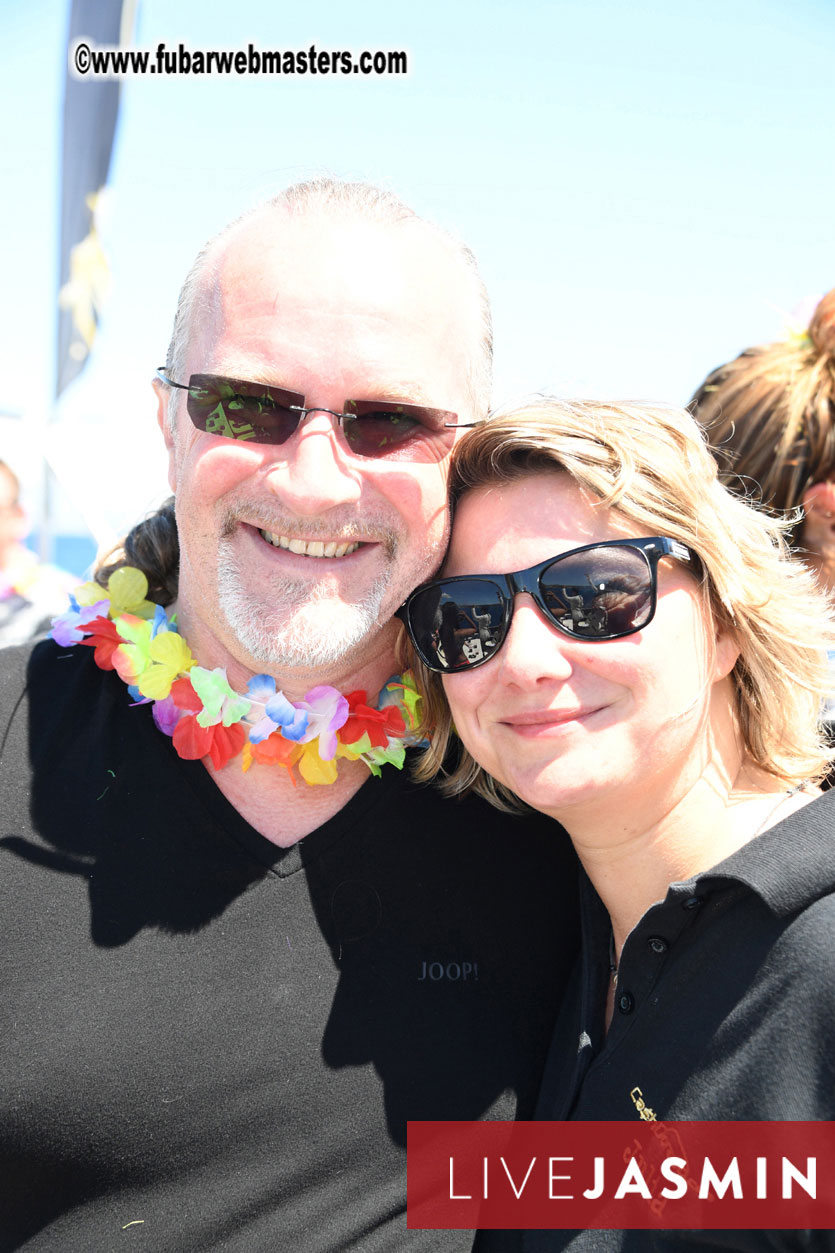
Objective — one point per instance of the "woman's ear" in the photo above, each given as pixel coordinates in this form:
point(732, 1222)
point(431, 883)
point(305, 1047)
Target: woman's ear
point(725, 653)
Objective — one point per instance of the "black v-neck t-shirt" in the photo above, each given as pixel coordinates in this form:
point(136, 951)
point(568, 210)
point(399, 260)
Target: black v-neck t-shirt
point(211, 1043)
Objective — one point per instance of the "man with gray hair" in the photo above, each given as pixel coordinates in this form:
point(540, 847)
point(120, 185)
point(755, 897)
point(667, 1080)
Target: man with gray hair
point(235, 964)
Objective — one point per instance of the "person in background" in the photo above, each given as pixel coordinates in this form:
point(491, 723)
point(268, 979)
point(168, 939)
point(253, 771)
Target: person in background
point(770, 416)
point(30, 592)
point(650, 680)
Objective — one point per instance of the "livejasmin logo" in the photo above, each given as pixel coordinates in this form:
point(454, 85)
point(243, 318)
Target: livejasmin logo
point(453, 972)
point(713, 1181)
point(629, 1175)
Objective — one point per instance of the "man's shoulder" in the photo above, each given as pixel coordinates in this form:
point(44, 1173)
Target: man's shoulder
point(17, 663)
point(40, 666)
point(51, 700)
point(469, 828)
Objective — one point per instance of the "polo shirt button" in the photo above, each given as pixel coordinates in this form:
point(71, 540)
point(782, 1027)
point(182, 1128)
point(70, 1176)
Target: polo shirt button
point(657, 943)
point(626, 1002)
point(692, 902)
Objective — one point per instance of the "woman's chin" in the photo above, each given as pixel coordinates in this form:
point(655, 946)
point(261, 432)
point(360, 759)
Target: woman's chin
point(555, 790)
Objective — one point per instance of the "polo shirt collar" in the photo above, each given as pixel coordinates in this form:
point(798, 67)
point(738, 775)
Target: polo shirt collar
point(790, 865)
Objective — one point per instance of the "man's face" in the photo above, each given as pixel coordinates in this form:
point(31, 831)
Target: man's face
point(297, 555)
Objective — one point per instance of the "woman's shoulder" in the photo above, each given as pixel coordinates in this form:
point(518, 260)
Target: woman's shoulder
point(791, 864)
point(806, 944)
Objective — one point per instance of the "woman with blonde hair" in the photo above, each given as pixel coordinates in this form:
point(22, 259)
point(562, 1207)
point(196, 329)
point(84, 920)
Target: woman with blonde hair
point(626, 646)
point(770, 414)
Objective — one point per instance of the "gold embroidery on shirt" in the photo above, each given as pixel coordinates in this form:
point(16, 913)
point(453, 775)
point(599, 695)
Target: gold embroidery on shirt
point(645, 1113)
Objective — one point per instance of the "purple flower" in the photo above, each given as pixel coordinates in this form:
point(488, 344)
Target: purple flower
point(68, 627)
point(166, 715)
point(327, 711)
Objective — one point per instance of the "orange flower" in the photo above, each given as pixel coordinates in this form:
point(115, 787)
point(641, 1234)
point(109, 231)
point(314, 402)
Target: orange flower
point(275, 751)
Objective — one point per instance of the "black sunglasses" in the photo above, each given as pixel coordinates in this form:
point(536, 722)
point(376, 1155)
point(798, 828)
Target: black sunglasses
point(262, 414)
point(595, 593)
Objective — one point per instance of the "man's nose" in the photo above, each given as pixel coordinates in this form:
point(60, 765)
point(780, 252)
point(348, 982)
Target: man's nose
point(533, 651)
point(315, 471)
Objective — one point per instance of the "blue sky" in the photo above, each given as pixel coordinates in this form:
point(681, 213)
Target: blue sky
point(649, 188)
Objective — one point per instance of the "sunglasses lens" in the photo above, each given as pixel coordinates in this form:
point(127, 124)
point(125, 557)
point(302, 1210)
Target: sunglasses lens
point(599, 594)
point(457, 625)
point(260, 414)
point(372, 430)
point(241, 410)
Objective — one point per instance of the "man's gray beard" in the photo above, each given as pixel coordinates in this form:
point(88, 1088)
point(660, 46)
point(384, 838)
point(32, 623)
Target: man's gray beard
point(281, 633)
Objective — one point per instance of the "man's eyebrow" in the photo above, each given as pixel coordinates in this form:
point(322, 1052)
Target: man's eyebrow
point(406, 393)
point(259, 376)
point(247, 374)
point(402, 391)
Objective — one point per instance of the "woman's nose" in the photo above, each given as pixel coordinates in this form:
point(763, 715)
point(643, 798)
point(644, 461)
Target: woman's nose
point(533, 649)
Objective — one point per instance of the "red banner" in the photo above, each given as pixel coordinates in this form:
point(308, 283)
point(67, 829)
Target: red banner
point(639, 1175)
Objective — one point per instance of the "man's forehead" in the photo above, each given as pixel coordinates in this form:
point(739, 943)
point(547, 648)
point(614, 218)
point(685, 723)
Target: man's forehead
point(364, 307)
point(339, 256)
point(371, 305)
point(384, 383)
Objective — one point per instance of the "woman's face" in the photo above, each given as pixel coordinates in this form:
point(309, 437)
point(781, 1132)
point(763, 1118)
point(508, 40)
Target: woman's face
point(564, 721)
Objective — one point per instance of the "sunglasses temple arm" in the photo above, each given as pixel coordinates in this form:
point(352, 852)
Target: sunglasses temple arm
point(163, 378)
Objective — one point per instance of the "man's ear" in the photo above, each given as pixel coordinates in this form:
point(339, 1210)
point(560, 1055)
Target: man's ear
point(166, 426)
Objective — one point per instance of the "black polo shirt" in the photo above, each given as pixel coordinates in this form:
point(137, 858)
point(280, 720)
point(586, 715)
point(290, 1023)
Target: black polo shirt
point(724, 1009)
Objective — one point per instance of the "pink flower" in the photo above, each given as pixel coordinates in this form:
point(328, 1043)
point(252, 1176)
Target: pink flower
point(327, 711)
point(166, 715)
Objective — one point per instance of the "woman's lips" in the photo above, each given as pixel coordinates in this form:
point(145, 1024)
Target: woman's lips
point(543, 721)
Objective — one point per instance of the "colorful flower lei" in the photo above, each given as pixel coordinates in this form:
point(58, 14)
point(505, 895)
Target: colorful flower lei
point(205, 717)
